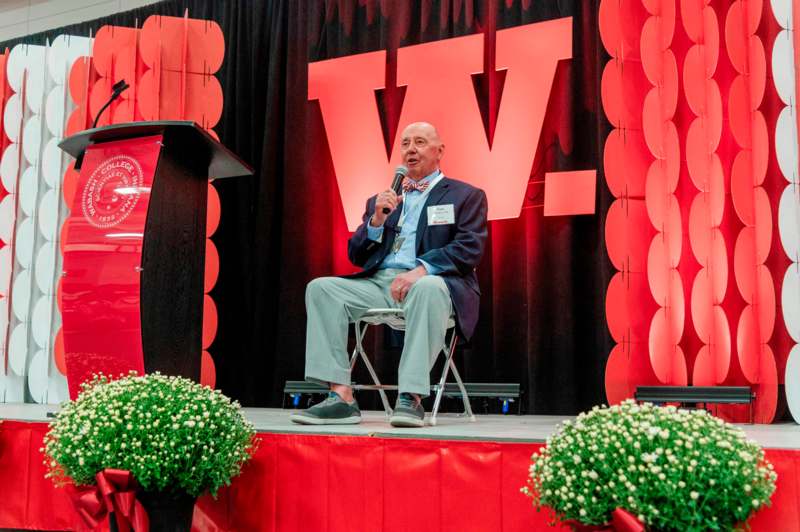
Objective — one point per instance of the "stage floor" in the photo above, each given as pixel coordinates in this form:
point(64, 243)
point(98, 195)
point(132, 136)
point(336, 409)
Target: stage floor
point(508, 428)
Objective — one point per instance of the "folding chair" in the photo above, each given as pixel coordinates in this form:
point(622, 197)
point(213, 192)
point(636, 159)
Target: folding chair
point(395, 319)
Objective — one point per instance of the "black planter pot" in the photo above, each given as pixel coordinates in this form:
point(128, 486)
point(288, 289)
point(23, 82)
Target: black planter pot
point(167, 512)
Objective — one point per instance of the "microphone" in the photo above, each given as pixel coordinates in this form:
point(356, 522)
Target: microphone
point(400, 173)
point(118, 88)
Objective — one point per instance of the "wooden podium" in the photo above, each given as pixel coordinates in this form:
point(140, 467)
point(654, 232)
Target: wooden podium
point(134, 248)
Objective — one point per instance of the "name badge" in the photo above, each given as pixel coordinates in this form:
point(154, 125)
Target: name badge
point(441, 215)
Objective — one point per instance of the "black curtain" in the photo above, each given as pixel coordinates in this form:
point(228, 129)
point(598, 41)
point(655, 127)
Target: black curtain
point(543, 279)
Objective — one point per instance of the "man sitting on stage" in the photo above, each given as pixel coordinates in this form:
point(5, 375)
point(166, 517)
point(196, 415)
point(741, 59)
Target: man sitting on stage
point(418, 252)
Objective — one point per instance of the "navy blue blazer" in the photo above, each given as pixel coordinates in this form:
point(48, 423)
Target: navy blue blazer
point(455, 249)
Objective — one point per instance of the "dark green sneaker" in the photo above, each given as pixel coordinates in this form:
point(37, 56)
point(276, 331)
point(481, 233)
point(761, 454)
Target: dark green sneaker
point(407, 412)
point(332, 411)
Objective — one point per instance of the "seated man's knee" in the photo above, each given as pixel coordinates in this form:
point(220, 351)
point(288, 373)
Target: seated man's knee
point(317, 287)
point(430, 284)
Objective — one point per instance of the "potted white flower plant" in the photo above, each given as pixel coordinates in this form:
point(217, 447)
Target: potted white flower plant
point(668, 469)
point(163, 440)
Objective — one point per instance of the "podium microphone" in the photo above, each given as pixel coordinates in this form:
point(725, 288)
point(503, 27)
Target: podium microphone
point(118, 88)
point(400, 173)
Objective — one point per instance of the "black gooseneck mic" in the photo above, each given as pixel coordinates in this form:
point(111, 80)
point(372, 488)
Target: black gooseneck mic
point(118, 88)
point(400, 173)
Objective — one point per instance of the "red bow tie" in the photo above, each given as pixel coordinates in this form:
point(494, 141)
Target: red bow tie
point(409, 185)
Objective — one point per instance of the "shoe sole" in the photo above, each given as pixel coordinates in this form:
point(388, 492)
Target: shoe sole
point(403, 421)
point(305, 420)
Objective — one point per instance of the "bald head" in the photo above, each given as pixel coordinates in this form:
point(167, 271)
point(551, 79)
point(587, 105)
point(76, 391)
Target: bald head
point(421, 148)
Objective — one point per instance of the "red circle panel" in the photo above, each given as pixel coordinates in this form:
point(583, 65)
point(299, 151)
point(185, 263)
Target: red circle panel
point(692, 18)
point(209, 321)
point(650, 51)
point(70, 185)
point(672, 231)
point(653, 123)
point(710, 40)
point(658, 270)
point(742, 187)
point(752, 352)
point(739, 114)
point(694, 79)
point(98, 96)
point(672, 149)
point(713, 114)
point(718, 260)
point(609, 21)
point(676, 311)
point(611, 92)
point(753, 15)
point(701, 305)
point(700, 229)
point(666, 357)
point(617, 383)
point(765, 304)
point(661, 346)
point(208, 371)
point(617, 311)
point(698, 154)
point(757, 71)
point(703, 371)
point(744, 263)
point(212, 266)
point(763, 226)
point(78, 79)
point(213, 210)
point(760, 146)
point(616, 234)
point(58, 352)
point(736, 36)
point(716, 190)
point(720, 343)
point(627, 235)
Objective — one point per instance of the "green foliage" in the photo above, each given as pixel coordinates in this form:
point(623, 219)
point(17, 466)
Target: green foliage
point(674, 469)
point(174, 435)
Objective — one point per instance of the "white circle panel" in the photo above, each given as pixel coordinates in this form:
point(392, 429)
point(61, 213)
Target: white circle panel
point(782, 11)
point(9, 167)
point(21, 295)
point(54, 110)
point(783, 66)
point(12, 117)
point(790, 300)
point(41, 322)
point(23, 247)
point(786, 144)
point(18, 349)
point(792, 377)
point(37, 376)
point(51, 163)
point(7, 216)
point(789, 222)
point(48, 214)
point(28, 186)
point(44, 268)
point(32, 139)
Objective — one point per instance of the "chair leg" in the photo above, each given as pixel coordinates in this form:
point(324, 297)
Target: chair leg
point(361, 329)
point(443, 380)
point(464, 396)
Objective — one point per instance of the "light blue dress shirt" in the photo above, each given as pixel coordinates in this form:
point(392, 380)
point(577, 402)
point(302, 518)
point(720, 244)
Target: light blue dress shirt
point(406, 256)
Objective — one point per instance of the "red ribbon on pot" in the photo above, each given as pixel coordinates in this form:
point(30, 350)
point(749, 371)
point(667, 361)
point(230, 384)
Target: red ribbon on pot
point(621, 521)
point(115, 492)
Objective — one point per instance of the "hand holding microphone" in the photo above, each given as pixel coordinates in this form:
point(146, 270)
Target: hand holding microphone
point(388, 200)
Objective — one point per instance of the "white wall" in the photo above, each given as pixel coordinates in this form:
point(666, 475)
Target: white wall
point(24, 17)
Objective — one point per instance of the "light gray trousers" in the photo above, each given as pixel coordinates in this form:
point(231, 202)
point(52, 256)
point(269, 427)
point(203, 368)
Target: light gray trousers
point(333, 302)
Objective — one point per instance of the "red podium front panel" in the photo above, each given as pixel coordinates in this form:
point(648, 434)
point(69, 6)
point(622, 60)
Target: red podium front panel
point(102, 244)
